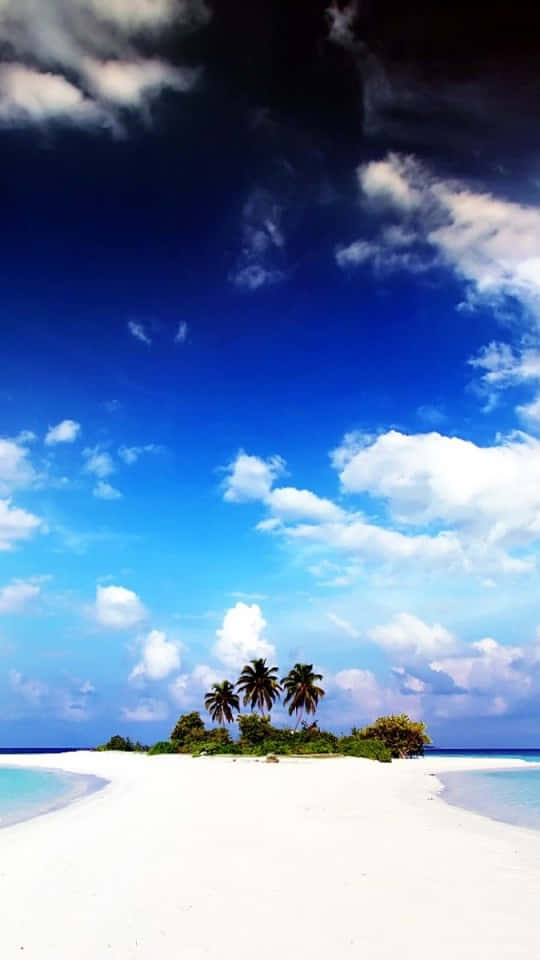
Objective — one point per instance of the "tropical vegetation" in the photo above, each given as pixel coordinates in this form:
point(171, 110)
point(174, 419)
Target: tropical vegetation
point(259, 689)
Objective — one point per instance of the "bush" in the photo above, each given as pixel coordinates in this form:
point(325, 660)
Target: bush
point(122, 743)
point(254, 729)
point(355, 746)
point(163, 746)
point(188, 727)
point(402, 736)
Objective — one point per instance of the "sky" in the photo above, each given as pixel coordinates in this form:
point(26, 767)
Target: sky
point(270, 331)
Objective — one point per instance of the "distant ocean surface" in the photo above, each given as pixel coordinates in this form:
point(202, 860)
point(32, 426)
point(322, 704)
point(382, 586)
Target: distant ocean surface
point(25, 793)
point(512, 796)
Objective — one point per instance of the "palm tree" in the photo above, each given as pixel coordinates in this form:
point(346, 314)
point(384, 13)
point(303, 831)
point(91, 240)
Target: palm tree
point(302, 693)
point(221, 701)
point(259, 685)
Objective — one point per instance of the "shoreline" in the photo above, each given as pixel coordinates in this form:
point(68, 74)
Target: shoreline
point(177, 856)
point(81, 786)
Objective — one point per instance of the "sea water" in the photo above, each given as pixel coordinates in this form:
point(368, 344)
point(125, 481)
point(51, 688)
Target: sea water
point(25, 793)
point(512, 796)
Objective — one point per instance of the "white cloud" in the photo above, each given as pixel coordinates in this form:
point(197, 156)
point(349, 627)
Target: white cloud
point(407, 635)
point(344, 625)
point(118, 608)
point(491, 243)
point(289, 503)
point(530, 412)
point(104, 491)
point(98, 462)
point(138, 331)
point(28, 95)
point(250, 478)
point(15, 597)
point(65, 432)
point(32, 691)
point(181, 333)
point(87, 57)
point(129, 84)
point(146, 710)
point(241, 636)
point(187, 689)
point(130, 455)
point(491, 492)
point(160, 657)
point(16, 471)
point(15, 524)
point(392, 181)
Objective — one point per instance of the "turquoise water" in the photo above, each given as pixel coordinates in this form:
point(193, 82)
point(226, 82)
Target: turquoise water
point(512, 796)
point(26, 793)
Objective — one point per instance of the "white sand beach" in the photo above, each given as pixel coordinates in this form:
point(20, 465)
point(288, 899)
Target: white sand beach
point(211, 858)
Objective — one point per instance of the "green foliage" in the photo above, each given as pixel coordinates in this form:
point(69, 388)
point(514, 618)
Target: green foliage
point(163, 746)
point(355, 746)
point(259, 685)
point(189, 727)
point(254, 729)
point(402, 736)
point(222, 702)
point(301, 691)
point(122, 743)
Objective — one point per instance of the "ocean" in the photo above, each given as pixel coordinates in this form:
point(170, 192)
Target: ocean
point(26, 793)
point(512, 796)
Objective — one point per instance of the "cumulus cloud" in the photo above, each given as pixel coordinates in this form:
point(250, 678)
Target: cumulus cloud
point(407, 635)
point(159, 657)
point(16, 524)
point(426, 478)
point(490, 242)
point(105, 491)
point(147, 710)
point(64, 432)
point(241, 636)
point(250, 478)
point(82, 60)
point(118, 608)
point(445, 503)
point(98, 462)
point(16, 470)
point(188, 689)
point(15, 596)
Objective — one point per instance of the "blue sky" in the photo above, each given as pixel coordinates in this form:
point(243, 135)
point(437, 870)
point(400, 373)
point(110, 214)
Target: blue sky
point(271, 368)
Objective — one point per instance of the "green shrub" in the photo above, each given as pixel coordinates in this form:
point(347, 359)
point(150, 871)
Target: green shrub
point(402, 736)
point(163, 746)
point(355, 746)
point(254, 729)
point(188, 727)
point(122, 743)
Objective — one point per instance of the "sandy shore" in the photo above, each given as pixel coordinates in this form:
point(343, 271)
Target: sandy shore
point(210, 858)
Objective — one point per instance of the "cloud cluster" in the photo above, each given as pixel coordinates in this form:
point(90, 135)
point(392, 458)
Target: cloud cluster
point(84, 61)
point(443, 502)
point(491, 243)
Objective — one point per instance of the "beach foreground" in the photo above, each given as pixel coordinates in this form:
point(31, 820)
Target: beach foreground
point(211, 858)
